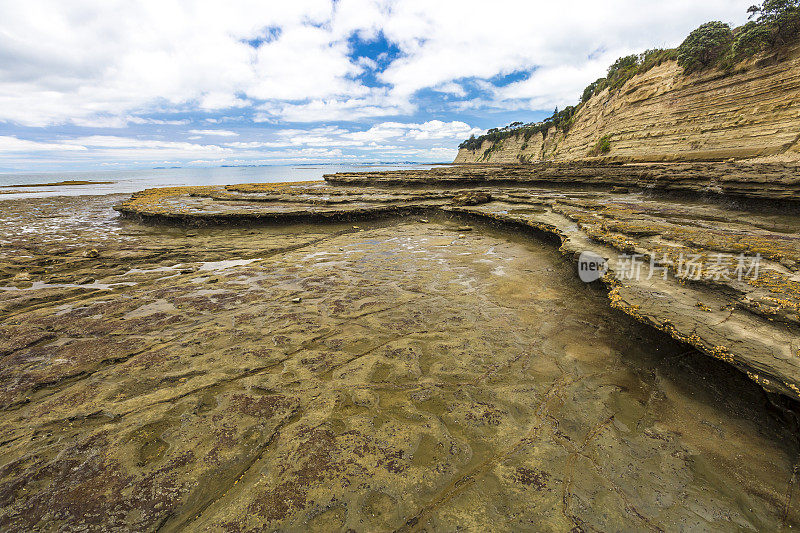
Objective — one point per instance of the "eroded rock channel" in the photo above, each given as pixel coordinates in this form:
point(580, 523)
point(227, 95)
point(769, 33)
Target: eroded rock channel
point(417, 367)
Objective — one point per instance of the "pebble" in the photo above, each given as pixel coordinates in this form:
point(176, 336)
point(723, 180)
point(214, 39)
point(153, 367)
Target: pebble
point(296, 300)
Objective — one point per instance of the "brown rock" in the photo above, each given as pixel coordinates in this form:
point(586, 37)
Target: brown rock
point(472, 198)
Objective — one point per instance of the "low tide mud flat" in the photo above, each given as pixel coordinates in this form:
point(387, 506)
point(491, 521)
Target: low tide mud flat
point(414, 370)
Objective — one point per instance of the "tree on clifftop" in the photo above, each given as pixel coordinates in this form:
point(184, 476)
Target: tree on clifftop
point(781, 18)
point(704, 46)
point(623, 64)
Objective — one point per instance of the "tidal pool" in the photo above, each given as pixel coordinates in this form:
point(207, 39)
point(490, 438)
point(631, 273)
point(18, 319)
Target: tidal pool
point(397, 375)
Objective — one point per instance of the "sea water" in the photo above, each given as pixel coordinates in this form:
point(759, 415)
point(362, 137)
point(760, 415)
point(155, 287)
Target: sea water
point(128, 181)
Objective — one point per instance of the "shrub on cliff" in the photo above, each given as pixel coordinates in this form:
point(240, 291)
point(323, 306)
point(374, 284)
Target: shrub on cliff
point(626, 68)
point(603, 146)
point(593, 88)
point(471, 144)
point(705, 46)
point(750, 39)
point(654, 57)
point(561, 120)
point(622, 70)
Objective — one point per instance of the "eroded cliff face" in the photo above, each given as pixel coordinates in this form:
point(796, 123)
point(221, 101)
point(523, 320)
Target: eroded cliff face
point(662, 115)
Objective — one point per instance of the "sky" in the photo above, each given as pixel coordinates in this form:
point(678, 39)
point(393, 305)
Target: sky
point(108, 84)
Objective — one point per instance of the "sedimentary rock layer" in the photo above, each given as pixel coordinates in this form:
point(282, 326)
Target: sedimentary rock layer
point(772, 181)
point(427, 372)
point(752, 322)
point(662, 115)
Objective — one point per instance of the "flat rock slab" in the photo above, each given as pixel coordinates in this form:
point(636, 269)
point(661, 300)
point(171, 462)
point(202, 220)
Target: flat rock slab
point(385, 375)
point(712, 272)
point(770, 181)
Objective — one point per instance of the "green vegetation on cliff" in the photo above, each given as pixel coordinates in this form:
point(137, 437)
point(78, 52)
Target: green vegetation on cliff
point(626, 68)
point(705, 46)
point(603, 145)
point(774, 25)
point(561, 120)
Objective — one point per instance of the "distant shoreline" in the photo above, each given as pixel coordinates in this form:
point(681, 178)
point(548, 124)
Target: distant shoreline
point(59, 183)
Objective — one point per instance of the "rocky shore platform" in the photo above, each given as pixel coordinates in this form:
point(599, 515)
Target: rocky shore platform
point(718, 271)
point(402, 352)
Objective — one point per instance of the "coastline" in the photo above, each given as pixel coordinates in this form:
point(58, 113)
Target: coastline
point(231, 364)
point(232, 298)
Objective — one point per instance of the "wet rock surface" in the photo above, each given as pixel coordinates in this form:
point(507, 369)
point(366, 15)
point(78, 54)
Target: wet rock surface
point(389, 375)
point(719, 273)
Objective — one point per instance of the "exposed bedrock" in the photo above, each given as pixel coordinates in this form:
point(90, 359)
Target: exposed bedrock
point(772, 181)
point(396, 374)
point(724, 279)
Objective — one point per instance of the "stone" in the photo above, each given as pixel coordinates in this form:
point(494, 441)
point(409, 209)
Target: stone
point(421, 382)
point(472, 198)
point(600, 222)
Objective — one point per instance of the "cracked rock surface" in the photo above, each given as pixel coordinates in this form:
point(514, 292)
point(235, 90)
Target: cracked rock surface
point(720, 273)
point(392, 373)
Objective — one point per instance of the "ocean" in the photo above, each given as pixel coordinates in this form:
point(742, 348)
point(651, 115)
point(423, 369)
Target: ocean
point(128, 181)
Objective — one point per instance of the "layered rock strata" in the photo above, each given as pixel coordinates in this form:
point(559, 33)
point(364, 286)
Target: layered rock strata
point(398, 374)
point(663, 115)
point(771, 181)
point(701, 291)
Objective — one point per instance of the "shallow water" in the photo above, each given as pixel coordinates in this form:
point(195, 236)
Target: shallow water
point(426, 378)
point(128, 181)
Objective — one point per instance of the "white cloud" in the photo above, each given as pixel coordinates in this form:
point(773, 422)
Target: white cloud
point(433, 129)
point(451, 88)
point(10, 144)
point(115, 64)
point(218, 133)
point(376, 104)
point(101, 63)
point(161, 122)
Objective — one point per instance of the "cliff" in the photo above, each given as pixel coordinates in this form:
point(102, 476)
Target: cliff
point(664, 115)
